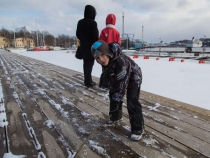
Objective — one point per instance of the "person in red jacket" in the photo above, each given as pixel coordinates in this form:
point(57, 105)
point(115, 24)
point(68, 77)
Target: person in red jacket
point(110, 34)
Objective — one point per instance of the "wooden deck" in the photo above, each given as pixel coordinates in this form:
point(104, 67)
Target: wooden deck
point(51, 114)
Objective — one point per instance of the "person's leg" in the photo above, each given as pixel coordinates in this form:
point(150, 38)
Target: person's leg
point(85, 70)
point(91, 63)
point(135, 111)
point(115, 110)
point(88, 67)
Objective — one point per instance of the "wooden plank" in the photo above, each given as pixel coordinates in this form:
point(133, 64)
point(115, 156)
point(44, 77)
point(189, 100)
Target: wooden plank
point(175, 102)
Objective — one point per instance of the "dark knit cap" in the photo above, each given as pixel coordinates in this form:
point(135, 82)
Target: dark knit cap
point(100, 47)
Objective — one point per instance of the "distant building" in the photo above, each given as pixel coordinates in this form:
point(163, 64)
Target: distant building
point(24, 42)
point(125, 43)
point(206, 42)
point(181, 43)
point(159, 44)
point(4, 42)
point(138, 45)
point(194, 43)
point(133, 44)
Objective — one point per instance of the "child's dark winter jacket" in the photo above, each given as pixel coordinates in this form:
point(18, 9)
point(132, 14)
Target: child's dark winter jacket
point(120, 73)
point(110, 34)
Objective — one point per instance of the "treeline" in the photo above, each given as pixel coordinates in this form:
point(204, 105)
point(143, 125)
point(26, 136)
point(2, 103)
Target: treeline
point(39, 37)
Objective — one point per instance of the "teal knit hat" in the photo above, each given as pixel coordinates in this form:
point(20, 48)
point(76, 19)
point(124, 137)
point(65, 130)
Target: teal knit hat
point(100, 47)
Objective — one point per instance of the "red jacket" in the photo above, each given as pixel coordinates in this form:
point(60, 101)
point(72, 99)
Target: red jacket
point(110, 34)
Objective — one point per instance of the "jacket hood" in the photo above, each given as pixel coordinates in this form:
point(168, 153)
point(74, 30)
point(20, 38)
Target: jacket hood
point(116, 50)
point(111, 19)
point(90, 12)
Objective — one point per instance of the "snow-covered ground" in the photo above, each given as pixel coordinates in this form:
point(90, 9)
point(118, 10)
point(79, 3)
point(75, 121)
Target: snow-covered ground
point(186, 81)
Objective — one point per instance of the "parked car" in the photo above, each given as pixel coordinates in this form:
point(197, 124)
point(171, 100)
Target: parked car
point(30, 49)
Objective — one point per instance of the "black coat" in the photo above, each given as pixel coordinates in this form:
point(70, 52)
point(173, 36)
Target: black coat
point(87, 32)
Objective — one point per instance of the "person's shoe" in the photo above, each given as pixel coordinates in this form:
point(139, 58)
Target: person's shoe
point(93, 83)
point(110, 121)
point(136, 135)
point(90, 84)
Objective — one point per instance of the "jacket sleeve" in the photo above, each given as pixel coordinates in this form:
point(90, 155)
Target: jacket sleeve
point(120, 79)
point(94, 32)
point(77, 31)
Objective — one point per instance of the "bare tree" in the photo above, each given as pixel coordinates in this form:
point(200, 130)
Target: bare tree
point(49, 40)
point(7, 34)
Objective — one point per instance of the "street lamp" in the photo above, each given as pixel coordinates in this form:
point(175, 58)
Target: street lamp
point(203, 45)
point(160, 46)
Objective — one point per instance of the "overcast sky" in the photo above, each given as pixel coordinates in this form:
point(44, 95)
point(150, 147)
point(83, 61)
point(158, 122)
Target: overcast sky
point(169, 20)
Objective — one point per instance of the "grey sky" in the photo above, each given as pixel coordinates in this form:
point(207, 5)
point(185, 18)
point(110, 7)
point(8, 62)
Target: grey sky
point(168, 20)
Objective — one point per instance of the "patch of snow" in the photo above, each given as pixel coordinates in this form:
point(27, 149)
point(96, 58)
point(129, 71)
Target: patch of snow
point(113, 136)
point(31, 132)
point(49, 123)
point(20, 72)
point(172, 109)
point(35, 141)
point(175, 117)
point(78, 84)
point(57, 106)
point(62, 140)
point(71, 155)
point(3, 119)
point(83, 131)
point(98, 149)
point(41, 91)
point(66, 101)
point(44, 83)
point(64, 113)
point(8, 79)
point(195, 117)
point(159, 120)
point(74, 120)
point(10, 155)
point(41, 155)
point(86, 115)
point(154, 108)
point(85, 94)
point(70, 85)
point(166, 154)
point(145, 114)
point(11, 86)
point(178, 128)
point(127, 128)
point(151, 142)
point(153, 117)
point(81, 100)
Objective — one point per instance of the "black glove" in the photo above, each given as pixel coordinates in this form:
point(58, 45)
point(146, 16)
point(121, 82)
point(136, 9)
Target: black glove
point(115, 110)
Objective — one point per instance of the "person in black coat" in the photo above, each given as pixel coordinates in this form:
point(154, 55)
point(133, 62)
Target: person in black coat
point(87, 32)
